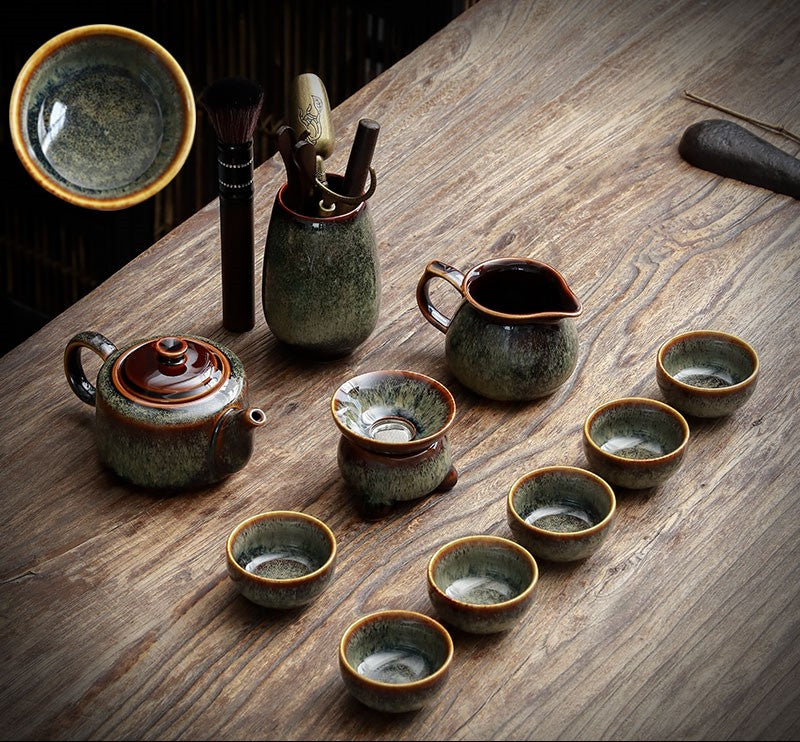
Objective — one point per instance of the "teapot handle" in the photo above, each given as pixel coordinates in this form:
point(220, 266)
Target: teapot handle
point(437, 269)
point(73, 367)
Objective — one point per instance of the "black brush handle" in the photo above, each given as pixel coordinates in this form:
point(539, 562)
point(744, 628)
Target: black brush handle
point(725, 148)
point(358, 164)
point(237, 238)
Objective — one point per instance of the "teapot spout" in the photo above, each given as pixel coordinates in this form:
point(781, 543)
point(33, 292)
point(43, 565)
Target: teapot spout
point(232, 440)
point(252, 417)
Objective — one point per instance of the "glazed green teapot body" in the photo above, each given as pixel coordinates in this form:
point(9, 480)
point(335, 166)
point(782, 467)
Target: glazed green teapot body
point(170, 412)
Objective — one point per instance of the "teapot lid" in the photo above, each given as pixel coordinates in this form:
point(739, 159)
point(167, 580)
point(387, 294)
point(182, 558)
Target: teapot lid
point(170, 370)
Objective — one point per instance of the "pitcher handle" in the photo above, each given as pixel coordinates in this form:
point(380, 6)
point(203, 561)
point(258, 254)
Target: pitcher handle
point(73, 367)
point(437, 269)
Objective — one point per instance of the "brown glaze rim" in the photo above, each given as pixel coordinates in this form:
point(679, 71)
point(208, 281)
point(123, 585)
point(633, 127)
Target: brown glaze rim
point(640, 402)
point(562, 535)
point(398, 449)
point(699, 390)
point(345, 217)
point(181, 83)
point(292, 515)
point(394, 614)
point(501, 263)
point(487, 608)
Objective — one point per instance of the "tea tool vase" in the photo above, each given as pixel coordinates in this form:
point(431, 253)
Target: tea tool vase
point(321, 278)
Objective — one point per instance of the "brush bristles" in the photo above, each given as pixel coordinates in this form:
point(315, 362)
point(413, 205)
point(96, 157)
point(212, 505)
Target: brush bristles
point(233, 105)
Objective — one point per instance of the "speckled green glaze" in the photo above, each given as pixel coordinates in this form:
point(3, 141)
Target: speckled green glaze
point(104, 113)
point(174, 447)
point(394, 443)
point(423, 406)
point(514, 336)
point(510, 362)
point(281, 559)
point(635, 442)
point(482, 584)
point(379, 481)
point(706, 373)
point(321, 279)
point(561, 513)
point(395, 660)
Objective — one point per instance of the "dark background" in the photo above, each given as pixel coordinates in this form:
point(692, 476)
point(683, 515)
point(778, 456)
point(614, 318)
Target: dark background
point(53, 253)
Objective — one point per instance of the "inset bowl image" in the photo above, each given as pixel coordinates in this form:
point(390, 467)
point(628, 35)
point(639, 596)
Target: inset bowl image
point(102, 116)
point(482, 584)
point(395, 660)
point(393, 444)
point(706, 373)
point(561, 513)
point(281, 558)
point(635, 442)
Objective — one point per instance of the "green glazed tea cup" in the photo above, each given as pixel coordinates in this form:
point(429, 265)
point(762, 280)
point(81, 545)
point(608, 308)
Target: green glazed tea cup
point(395, 660)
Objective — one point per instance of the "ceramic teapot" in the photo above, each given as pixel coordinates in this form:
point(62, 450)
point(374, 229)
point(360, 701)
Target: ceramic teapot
point(170, 411)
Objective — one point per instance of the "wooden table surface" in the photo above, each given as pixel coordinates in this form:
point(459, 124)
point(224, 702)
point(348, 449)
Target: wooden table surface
point(543, 129)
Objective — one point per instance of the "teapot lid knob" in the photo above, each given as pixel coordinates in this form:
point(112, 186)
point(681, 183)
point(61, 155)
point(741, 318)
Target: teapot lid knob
point(172, 351)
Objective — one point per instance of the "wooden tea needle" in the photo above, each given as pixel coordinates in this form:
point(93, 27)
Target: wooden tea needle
point(360, 159)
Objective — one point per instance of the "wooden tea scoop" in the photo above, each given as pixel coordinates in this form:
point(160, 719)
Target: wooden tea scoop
point(728, 149)
point(310, 109)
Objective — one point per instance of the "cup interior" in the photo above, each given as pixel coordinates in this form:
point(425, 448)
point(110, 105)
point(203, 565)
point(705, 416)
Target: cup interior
point(390, 411)
point(396, 647)
point(637, 429)
point(519, 288)
point(100, 113)
point(482, 571)
point(282, 546)
point(708, 360)
point(562, 501)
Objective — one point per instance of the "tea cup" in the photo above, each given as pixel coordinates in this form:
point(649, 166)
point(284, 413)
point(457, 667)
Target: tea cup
point(635, 442)
point(281, 558)
point(560, 513)
point(482, 584)
point(102, 117)
point(706, 373)
point(395, 660)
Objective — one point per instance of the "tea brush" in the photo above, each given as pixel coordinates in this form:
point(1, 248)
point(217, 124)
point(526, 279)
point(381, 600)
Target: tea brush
point(233, 105)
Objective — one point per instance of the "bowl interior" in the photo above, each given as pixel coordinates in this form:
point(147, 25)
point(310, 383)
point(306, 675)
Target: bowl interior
point(636, 430)
point(396, 649)
point(481, 572)
point(281, 548)
point(708, 361)
point(392, 408)
point(102, 113)
point(561, 502)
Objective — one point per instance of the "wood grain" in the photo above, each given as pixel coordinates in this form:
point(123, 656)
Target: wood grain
point(544, 129)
